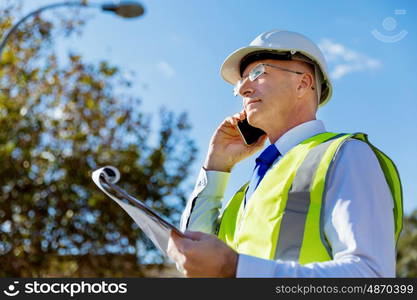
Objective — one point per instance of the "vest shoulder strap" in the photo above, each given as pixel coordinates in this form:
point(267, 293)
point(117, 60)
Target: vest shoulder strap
point(230, 217)
point(392, 177)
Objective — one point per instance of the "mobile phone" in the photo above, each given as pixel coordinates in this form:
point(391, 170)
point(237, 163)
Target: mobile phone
point(249, 133)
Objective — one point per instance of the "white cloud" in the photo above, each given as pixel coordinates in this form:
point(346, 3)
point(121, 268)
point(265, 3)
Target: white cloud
point(343, 60)
point(165, 69)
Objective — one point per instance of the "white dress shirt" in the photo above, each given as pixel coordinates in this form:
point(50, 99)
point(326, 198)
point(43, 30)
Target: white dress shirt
point(358, 214)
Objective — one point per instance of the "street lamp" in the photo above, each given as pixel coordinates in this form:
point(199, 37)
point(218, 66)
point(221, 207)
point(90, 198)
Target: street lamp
point(125, 9)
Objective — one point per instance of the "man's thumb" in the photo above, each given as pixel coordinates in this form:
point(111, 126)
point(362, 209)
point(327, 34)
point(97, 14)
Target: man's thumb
point(195, 235)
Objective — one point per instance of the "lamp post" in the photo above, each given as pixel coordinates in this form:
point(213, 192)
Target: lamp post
point(125, 9)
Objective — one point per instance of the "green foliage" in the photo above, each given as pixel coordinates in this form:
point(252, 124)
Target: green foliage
point(407, 248)
point(59, 121)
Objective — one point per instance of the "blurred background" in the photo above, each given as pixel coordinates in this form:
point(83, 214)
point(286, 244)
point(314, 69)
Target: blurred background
point(81, 88)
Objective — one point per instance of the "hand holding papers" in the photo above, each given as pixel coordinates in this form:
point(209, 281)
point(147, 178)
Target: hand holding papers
point(155, 227)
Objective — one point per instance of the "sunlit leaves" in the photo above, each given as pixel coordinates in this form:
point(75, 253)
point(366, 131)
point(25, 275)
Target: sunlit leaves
point(59, 120)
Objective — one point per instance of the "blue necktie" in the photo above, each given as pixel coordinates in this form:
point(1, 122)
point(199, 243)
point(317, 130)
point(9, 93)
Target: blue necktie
point(263, 163)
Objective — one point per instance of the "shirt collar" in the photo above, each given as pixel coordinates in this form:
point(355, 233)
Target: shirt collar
point(299, 133)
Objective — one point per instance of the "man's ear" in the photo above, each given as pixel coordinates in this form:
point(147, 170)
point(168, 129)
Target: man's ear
point(305, 83)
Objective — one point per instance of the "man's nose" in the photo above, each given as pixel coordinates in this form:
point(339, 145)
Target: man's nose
point(246, 89)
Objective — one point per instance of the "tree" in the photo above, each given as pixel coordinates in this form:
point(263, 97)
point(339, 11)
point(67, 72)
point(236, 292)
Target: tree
point(407, 248)
point(59, 121)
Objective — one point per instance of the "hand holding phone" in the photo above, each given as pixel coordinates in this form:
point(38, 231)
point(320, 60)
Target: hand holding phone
point(229, 143)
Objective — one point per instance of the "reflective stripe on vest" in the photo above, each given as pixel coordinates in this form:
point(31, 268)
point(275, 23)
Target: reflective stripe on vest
point(283, 220)
point(295, 216)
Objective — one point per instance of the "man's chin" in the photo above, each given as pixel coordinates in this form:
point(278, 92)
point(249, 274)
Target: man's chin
point(252, 118)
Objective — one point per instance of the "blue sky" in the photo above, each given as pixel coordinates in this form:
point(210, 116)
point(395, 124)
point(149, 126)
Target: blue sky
point(177, 47)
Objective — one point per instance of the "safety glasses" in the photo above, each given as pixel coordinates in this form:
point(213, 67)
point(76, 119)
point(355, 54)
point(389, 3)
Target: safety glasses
point(257, 71)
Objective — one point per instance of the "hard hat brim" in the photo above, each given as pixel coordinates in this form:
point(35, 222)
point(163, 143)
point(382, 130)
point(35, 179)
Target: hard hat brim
point(230, 67)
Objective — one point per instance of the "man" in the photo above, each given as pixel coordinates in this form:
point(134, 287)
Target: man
point(319, 204)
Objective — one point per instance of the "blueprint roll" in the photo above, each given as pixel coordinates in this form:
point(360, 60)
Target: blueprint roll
point(154, 226)
point(111, 173)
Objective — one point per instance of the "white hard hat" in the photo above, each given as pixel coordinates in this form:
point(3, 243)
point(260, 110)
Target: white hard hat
point(279, 42)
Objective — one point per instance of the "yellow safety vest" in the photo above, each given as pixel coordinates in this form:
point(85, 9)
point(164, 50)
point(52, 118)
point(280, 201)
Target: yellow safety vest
point(284, 217)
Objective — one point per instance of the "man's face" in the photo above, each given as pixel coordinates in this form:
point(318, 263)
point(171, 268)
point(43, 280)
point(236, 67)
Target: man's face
point(271, 98)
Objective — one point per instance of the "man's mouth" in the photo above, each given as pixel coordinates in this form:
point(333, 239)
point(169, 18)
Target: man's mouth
point(252, 101)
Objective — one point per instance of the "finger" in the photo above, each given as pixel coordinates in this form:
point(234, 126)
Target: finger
point(180, 268)
point(175, 234)
point(239, 116)
point(195, 235)
point(178, 242)
point(172, 250)
point(232, 120)
point(229, 120)
point(175, 237)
